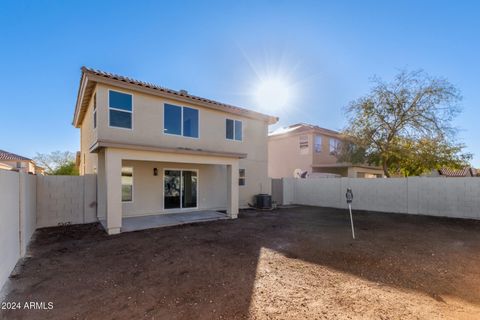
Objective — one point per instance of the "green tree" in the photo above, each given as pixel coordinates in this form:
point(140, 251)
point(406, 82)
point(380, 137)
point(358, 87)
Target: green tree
point(58, 163)
point(68, 169)
point(414, 158)
point(405, 125)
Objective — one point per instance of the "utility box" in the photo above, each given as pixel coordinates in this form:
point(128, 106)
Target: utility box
point(263, 201)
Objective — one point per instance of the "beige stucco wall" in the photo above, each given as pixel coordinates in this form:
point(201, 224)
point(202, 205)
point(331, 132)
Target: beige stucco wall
point(360, 172)
point(101, 186)
point(148, 130)
point(5, 166)
point(323, 157)
point(148, 127)
point(88, 135)
point(285, 156)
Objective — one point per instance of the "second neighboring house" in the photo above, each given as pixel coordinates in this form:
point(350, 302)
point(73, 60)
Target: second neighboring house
point(308, 148)
point(15, 162)
point(156, 150)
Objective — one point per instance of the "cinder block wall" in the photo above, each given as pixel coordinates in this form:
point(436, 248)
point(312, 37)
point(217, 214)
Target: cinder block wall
point(28, 210)
point(66, 199)
point(9, 223)
point(435, 196)
point(17, 218)
point(28, 202)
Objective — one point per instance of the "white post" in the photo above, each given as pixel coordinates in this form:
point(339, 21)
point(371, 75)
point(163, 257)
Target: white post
point(113, 169)
point(232, 190)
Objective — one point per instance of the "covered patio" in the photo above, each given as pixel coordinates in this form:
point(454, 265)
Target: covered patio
point(170, 186)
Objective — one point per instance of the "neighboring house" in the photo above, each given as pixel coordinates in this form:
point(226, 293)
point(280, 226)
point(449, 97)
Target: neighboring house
point(308, 148)
point(15, 162)
point(157, 150)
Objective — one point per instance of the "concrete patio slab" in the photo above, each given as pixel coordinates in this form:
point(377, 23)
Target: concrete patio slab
point(171, 219)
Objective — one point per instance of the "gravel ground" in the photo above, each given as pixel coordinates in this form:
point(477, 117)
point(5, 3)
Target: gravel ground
point(290, 263)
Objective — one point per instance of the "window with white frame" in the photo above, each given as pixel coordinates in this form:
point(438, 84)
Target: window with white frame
point(120, 109)
point(95, 111)
point(334, 145)
point(127, 184)
point(182, 121)
point(234, 130)
point(241, 177)
point(318, 143)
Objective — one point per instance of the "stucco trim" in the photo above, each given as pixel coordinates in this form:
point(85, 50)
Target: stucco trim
point(109, 144)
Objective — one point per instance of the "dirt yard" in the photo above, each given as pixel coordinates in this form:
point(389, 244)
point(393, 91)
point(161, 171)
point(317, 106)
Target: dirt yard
point(287, 264)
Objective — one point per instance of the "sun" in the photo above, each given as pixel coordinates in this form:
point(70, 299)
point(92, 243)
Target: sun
point(273, 93)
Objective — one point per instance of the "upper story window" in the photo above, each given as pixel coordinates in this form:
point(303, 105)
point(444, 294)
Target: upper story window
point(95, 111)
point(234, 130)
point(318, 143)
point(182, 121)
point(120, 107)
point(334, 145)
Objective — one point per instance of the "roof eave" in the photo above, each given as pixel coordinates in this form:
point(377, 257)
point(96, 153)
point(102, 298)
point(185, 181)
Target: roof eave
point(80, 96)
point(89, 75)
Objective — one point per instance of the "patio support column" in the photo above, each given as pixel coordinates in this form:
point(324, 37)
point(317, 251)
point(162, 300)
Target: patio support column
point(232, 190)
point(113, 169)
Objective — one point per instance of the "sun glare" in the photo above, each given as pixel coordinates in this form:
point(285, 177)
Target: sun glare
point(273, 93)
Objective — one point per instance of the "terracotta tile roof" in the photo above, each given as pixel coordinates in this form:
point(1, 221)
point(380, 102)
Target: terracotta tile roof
point(180, 93)
point(301, 127)
point(465, 172)
point(5, 155)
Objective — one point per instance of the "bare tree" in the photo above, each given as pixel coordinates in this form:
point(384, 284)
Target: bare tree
point(55, 161)
point(411, 108)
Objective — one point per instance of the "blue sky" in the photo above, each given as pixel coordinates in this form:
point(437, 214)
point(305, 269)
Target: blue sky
point(328, 51)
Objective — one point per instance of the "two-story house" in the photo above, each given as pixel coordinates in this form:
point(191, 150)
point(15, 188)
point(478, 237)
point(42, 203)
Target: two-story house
point(311, 149)
point(156, 150)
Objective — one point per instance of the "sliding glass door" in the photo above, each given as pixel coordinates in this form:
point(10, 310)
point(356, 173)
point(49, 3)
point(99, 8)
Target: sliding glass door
point(180, 189)
point(189, 189)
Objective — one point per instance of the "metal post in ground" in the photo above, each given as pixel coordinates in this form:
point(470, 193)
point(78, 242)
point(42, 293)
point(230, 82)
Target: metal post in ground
point(351, 220)
point(349, 196)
